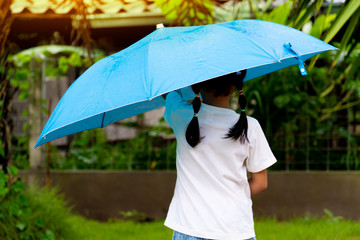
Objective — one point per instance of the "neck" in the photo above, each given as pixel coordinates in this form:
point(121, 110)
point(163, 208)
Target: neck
point(219, 101)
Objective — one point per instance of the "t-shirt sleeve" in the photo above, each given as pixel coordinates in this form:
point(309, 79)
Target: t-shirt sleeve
point(260, 154)
point(174, 100)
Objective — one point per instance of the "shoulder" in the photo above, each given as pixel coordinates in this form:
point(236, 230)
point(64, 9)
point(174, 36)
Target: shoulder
point(254, 128)
point(253, 122)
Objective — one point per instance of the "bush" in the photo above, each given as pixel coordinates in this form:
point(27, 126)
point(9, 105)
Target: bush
point(36, 213)
point(91, 150)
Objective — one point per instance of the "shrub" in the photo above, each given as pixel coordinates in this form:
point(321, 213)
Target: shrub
point(36, 213)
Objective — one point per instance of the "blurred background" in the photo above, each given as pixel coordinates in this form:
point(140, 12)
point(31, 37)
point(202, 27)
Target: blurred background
point(312, 123)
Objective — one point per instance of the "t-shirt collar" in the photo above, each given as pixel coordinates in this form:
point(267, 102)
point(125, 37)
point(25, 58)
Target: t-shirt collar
point(215, 109)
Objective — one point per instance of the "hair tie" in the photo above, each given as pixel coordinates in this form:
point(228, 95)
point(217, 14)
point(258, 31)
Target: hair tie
point(197, 95)
point(196, 115)
point(243, 110)
point(240, 92)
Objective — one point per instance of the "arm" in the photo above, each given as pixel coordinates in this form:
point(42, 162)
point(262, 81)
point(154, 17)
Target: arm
point(258, 182)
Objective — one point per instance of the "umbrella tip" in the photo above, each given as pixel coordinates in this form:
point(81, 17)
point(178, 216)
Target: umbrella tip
point(159, 25)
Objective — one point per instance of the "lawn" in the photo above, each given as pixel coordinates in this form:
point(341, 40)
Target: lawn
point(267, 229)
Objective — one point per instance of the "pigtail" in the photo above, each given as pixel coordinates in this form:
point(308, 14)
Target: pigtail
point(193, 130)
point(239, 130)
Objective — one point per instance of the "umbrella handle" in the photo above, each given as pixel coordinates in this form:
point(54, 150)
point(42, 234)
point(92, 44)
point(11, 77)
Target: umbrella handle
point(290, 48)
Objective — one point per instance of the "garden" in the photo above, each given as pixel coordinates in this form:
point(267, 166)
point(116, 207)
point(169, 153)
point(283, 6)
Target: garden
point(41, 213)
point(312, 122)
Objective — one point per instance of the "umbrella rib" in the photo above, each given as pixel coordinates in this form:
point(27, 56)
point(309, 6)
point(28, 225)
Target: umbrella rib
point(257, 45)
point(318, 52)
point(148, 82)
point(102, 121)
point(324, 50)
point(43, 136)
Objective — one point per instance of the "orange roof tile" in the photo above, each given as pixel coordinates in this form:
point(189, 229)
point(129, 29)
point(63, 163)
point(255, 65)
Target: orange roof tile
point(68, 7)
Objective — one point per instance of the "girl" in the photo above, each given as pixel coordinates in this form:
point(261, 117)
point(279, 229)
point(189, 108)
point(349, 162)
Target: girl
point(215, 149)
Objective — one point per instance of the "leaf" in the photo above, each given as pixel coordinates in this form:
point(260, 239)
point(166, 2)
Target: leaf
point(317, 27)
point(25, 113)
point(24, 85)
point(21, 74)
point(278, 15)
point(18, 186)
point(23, 59)
point(4, 178)
point(39, 223)
point(75, 60)
point(282, 100)
point(348, 33)
point(328, 90)
point(187, 12)
point(25, 126)
point(15, 210)
point(23, 201)
point(306, 14)
point(63, 64)
point(354, 69)
point(21, 226)
point(98, 58)
point(13, 171)
point(342, 18)
point(3, 191)
point(45, 110)
point(49, 235)
point(23, 95)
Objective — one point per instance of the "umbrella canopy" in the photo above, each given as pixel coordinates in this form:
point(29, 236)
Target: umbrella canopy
point(131, 81)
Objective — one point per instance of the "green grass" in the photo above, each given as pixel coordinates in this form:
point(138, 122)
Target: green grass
point(314, 229)
point(127, 230)
point(325, 228)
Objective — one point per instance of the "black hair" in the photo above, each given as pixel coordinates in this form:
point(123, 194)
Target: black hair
point(221, 86)
point(192, 133)
point(239, 130)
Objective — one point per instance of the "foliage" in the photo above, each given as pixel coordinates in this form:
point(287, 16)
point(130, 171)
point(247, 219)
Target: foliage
point(133, 215)
point(321, 102)
point(310, 121)
point(57, 59)
point(331, 218)
point(31, 214)
point(91, 150)
point(306, 116)
point(187, 13)
point(20, 153)
point(291, 111)
point(13, 79)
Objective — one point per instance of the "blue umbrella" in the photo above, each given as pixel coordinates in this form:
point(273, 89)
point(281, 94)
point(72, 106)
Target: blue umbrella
point(131, 81)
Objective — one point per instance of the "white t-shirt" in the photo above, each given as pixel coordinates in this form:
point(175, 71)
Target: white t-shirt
point(212, 195)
